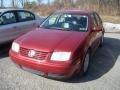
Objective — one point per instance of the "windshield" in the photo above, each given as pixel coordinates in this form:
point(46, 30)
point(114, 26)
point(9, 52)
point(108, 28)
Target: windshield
point(74, 22)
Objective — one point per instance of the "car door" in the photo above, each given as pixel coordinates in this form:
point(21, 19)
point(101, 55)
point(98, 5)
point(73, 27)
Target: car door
point(93, 34)
point(7, 26)
point(27, 21)
point(99, 34)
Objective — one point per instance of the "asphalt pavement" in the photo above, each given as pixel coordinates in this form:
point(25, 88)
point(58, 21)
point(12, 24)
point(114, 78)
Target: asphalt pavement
point(103, 73)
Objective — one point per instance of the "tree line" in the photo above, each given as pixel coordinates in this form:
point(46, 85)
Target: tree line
point(101, 6)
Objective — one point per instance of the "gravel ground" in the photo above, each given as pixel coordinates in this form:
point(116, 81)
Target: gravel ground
point(103, 74)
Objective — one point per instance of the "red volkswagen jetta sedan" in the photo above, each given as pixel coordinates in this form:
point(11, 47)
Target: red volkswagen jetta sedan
point(62, 46)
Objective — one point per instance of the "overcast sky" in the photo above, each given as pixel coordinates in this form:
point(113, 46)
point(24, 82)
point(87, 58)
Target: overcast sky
point(7, 3)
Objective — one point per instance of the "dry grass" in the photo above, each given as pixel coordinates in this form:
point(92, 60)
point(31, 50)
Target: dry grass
point(112, 19)
point(106, 14)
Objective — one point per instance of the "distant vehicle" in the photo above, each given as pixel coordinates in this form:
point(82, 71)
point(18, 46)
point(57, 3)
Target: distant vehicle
point(16, 22)
point(62, 47)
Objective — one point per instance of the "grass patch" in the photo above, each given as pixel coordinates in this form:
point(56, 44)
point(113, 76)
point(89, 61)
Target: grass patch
point(112, 19)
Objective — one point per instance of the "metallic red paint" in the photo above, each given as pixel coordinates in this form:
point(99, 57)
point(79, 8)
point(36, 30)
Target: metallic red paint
point(55, 40)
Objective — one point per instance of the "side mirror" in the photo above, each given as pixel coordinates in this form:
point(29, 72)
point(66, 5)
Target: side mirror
point(38, 24)
point(96, 29)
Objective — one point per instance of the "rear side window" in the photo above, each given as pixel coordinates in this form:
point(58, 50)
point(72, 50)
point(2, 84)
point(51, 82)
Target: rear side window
point(99, 21)
point(94, 21)
point(7, 18)
point(25, 16)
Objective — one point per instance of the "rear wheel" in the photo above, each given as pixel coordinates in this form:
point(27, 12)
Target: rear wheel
point(101, 41)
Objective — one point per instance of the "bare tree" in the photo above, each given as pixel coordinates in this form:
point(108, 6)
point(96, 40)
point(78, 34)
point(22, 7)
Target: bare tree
point(22, 2)
point(66, 3)
point(48, 2)
point(58, 4)
point(118, 6)
point(39, 2)
point(72, 3)
point(13, 3)
point(2, 3)
point(100, 5)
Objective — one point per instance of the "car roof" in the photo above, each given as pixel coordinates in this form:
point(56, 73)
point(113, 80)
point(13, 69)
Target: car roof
point(76, 12)
point(10, 9)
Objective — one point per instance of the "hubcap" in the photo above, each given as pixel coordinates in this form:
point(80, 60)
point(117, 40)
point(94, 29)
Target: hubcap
point(86, 62)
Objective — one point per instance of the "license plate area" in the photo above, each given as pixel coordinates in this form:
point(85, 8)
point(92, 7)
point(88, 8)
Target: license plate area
point(33, 71)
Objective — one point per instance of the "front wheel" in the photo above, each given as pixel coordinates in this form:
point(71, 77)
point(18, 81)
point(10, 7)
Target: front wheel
point(85, 65)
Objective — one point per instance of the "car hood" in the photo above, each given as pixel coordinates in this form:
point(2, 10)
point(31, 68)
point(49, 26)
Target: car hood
point(51, 40)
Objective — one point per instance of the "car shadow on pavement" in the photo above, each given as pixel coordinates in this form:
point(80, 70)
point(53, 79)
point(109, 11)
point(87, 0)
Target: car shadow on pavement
point(102, 62)
point(4, 50)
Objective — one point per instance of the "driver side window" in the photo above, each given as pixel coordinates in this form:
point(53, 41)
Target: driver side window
point(7, 18)
point(53, 19)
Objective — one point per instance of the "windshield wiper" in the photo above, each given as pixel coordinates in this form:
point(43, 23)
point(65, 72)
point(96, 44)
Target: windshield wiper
point(57, 28)
point(64, 29)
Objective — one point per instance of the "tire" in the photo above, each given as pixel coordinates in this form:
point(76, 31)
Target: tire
point(85, 65)
point(101, 41)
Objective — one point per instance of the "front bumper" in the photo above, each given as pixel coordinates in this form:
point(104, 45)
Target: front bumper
point(43, 68)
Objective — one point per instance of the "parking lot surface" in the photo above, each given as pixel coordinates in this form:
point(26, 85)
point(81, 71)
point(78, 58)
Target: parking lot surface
point(103, 73)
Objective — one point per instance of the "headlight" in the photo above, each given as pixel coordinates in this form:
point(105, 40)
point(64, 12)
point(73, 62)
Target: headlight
point(15, 47)
point(60, 56)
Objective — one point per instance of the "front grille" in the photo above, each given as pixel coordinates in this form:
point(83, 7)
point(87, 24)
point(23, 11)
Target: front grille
point(39, 55)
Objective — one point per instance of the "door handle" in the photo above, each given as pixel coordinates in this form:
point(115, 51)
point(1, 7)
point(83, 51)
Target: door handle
point(34, 24)
point(14, 27)
point(37, 25)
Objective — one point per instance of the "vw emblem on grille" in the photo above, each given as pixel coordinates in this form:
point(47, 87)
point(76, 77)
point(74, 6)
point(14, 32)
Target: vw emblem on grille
point(31, 53)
